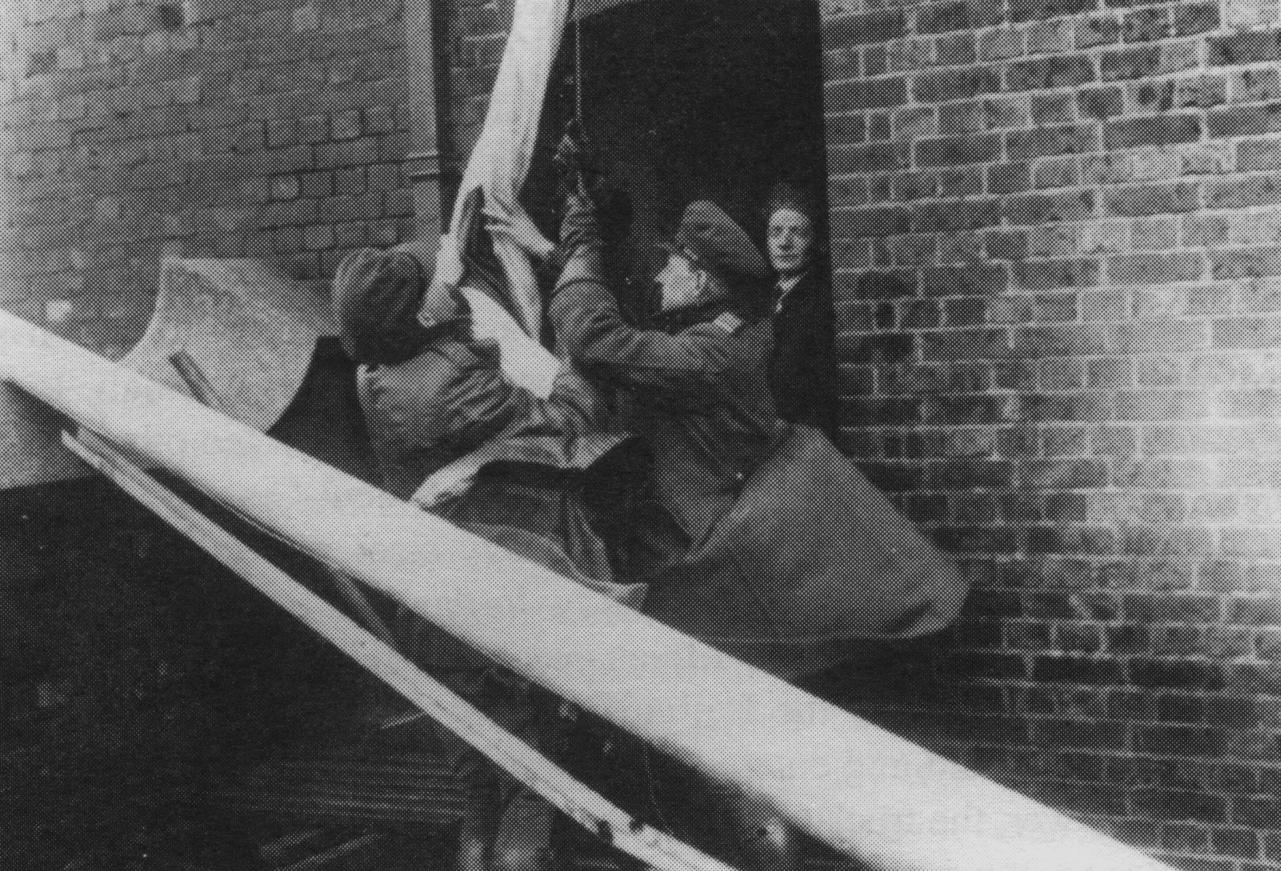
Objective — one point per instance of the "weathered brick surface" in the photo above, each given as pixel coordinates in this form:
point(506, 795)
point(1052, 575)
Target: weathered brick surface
point(1078, 398)
point(1056, 240)
point(267, 129)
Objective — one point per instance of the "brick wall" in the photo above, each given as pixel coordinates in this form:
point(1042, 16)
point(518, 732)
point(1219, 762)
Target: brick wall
point(1058, 269)
point(1058, 272)
point(269, 129)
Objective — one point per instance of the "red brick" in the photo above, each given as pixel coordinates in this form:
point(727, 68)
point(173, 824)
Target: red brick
point(977, 279)
point(1152, 130)
point(1097, 30)
point(1076, 669)
point(953, 84)
point(860, 223)
point(1179, 741)
point(1241, 192)
point(1242, 842)
point(1245, 263)
point(1045, 141)
point(1006, 245)
point(943, 17)
point(1258, 154)
point(1052, 108)
point(1200, 92)
point(1037, 10)
point(1099, 103)
point(1255, 120)
point(1147, 60)
point(964, 344)
point(1146, 25)
point(1155, 268)
point(1243, 48)
point(1150, 199)
point(1008, 178)
point(1048, 208)
point(1050, 274)
point(1051, 72)
point(1256, 85)
point(865, 94)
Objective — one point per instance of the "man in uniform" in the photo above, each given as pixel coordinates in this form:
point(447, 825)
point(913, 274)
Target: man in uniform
point(802, 373)
point(434, 395)
point(697, 391)
point(787, 550)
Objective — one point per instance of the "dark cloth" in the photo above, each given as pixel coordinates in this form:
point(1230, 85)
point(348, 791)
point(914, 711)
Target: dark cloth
point(791, 549)
point(803, 372)
point(811, 554)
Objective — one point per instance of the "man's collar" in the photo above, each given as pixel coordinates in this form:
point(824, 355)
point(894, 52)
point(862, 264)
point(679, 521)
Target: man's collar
point(787, 285)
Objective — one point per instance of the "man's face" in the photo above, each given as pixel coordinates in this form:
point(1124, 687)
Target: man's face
point(791, 242)
point(679, 282)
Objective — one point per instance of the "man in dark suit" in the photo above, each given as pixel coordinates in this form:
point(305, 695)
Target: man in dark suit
point(802, 372)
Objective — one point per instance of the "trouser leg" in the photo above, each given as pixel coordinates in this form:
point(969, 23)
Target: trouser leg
point(503, 827)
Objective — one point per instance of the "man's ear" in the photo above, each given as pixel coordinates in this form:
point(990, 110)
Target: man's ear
point(703, 280)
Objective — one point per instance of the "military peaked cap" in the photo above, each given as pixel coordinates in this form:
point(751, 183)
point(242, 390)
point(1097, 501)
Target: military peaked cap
point(717, 243)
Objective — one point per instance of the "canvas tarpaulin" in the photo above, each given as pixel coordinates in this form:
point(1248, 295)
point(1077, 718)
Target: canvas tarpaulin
point(497, 169)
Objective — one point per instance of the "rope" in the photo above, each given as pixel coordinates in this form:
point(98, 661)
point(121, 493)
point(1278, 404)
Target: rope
point(578, 70)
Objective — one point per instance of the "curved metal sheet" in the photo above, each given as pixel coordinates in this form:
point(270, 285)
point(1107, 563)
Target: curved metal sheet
point(249, 328)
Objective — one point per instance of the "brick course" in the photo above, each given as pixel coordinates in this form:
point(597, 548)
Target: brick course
point(274, 129)
point(1110, 351)
point(1056, 240)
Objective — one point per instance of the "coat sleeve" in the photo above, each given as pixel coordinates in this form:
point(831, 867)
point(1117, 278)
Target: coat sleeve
point(454, 394)
point(689, 367)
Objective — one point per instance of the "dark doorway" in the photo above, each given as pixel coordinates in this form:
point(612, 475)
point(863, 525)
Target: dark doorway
point(690, 99)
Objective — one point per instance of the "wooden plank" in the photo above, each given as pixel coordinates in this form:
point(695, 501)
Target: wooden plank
point(204, 392)
point(580, 803)
point(857, 787)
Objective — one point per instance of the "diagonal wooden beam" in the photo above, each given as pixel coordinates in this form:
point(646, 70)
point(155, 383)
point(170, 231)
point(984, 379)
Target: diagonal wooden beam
point(206, 394)
point(580, 803)
point(859, 788)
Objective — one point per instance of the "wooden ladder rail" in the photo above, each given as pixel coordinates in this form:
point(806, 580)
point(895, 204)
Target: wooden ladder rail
point(205, 393)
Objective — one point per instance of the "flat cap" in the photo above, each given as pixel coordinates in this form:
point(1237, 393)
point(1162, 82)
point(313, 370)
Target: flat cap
point(377, 298)
point(718, 243)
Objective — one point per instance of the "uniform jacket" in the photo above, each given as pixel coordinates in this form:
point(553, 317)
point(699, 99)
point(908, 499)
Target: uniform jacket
point(700, 395)
point(791, 549)
point(802, 373)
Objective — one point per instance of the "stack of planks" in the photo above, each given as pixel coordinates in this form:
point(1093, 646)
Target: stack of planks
point(414, 791)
